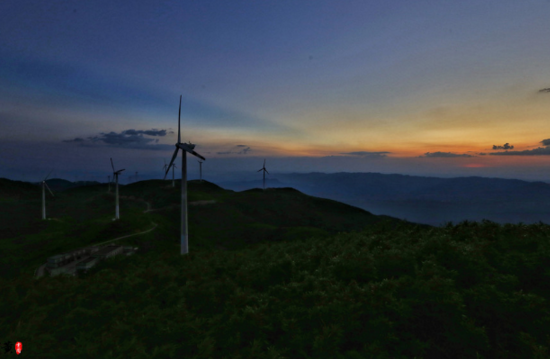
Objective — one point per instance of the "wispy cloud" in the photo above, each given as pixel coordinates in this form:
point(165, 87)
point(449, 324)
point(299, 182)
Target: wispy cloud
point(238, 149)
point(545, 90)
point(444, 154)
point(540, 151)
point(535, 152)
point(126, 139)
point(366, 154)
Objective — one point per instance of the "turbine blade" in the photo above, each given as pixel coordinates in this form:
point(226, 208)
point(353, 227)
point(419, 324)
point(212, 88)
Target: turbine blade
point(48, 188)
point(112, 165)
point(196, 154)
point(120, 170)
point(48, 175)
point(179, 115)
point(260, 169)
point(172, 161)
point(267, 172)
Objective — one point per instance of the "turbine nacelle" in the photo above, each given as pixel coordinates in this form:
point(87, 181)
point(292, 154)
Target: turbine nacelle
point(44, 184)
point(187, 147)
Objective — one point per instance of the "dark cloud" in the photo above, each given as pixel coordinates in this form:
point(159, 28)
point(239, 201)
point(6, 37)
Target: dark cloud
point(365, 153)
point(128, 139)
point(545, 142)
point(545, 90)
point(152, 132)
point(444, 154)
point(482, 154)
point(505, 147)
point(541, 151)
point(238, 149)
point(78, 139)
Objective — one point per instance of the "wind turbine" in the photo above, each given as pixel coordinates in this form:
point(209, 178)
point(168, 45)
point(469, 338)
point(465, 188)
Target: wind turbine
point(173, 182)
point(200, 164)
point(164, 167)
point(185, 147)
point(115, 175)
point(44, 186)
point(263, 169)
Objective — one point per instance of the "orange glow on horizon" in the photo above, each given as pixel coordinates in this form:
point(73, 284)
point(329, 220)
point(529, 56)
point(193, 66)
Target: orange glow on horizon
point(475, 165)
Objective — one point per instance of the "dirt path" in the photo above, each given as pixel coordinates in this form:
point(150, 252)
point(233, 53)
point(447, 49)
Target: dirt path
point(40, 271)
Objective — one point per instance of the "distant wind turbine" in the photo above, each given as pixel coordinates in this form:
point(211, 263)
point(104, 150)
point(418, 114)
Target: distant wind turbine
point(164, 167)
point(44, 186)
point(173, 182)
point(263, 169)
point(185, 147)
point(200, 164)
point(115, 175)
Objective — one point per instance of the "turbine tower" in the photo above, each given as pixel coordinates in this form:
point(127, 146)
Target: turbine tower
point(200, 165)
point(185, 147)
point(115, 176)
point(44, 186)
point(263, 169)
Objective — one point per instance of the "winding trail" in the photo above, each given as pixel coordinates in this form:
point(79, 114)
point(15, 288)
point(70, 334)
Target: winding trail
point(40, 271)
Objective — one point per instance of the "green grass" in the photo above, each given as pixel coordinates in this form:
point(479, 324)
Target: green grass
point(289, 285)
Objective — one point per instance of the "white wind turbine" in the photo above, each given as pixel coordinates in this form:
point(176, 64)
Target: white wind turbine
point(115, 175)
point(263, 169)
point(200, 165)
point(185, 147)
point(44, 186)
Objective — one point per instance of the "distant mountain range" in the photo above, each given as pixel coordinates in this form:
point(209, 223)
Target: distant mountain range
point(58, 184)
point(428, 200)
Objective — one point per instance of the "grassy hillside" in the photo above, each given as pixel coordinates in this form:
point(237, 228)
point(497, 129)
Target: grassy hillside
point(290, 283)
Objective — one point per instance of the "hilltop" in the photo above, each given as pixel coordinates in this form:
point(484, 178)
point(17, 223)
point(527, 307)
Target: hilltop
point(286, 281)
point(218, 218)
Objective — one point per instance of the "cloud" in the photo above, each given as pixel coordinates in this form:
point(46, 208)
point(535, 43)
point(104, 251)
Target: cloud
point(238, 149)
point(444, 154)
point(545, 90)
point(541, 151)
point(127, 139)
point(505, 147)
point(365, 153)
point(77, 139)
point(152, 132)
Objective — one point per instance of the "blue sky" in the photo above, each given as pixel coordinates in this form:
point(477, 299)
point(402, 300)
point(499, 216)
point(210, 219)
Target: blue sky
point(440, 88)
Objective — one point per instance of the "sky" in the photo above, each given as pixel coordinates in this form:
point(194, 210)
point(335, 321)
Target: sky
point(433, 88)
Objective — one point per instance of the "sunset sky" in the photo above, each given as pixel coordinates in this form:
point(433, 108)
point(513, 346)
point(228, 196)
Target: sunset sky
point(436, 88)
